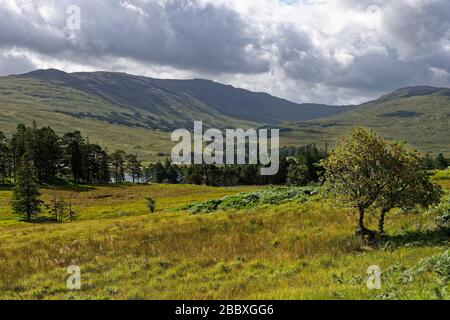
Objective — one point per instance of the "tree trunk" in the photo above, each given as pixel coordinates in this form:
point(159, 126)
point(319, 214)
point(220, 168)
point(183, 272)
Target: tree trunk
point(381, 221)
point(361, 228)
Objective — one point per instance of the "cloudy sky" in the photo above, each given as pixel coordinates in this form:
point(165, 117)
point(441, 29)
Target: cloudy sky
point(327, 51)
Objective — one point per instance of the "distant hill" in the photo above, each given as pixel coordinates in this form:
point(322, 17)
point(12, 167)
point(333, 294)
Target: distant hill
point(143, 102)
point(137, 113)
point(418, 115)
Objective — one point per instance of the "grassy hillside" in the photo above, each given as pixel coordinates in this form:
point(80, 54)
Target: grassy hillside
point(136, 114)
point(293, 250)
point(142, 102)
point(23, 100)
point(419, 115)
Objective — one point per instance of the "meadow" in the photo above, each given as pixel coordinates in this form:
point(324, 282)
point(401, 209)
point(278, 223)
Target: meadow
point(285, 250)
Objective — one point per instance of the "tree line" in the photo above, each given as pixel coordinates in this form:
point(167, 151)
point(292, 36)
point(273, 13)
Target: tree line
point(438, 163)
point(297, 167)
point(73, 157)
point(53, 156)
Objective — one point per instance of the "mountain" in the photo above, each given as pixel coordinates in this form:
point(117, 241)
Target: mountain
point(129, 100)
point(137, 113)
point(418, 115)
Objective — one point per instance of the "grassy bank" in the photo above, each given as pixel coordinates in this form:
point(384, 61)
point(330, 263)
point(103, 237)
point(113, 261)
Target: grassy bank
point(290, 250)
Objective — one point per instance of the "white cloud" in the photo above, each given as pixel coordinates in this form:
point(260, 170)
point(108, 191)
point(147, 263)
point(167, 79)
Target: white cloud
point(332, 51)
point(14, 62)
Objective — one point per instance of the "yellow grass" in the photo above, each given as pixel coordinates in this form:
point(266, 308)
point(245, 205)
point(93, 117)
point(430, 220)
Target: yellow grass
point(289, 251)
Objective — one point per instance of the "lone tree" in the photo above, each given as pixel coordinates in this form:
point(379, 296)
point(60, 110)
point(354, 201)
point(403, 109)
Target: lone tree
point(406, 184)
point(25, 199)
point(365, 172)
point(353, 172)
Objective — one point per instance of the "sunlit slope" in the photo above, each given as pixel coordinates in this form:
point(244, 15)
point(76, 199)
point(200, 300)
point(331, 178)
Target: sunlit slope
point(419, 115)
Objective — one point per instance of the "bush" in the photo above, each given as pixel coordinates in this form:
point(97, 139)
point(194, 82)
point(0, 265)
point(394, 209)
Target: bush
point(240, 201)
point(151, 204)
point(443, 212)
point(247, 200)
point(432, 275)
point(204, 207)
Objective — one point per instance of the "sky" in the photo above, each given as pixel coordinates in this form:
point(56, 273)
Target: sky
point(323, 51)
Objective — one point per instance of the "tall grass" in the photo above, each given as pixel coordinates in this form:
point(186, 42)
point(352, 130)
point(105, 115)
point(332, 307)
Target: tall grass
point(285, 251)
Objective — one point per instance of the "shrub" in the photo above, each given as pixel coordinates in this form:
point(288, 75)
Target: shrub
point(151, 204)
point(204, 207)
point(443, 212)
point(431, 274)
point(248, 200)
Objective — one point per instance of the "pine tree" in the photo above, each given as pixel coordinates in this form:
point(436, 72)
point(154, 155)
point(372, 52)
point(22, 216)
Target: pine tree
point(118, 161)
point(134, 167)
point(46, 153)
point(441, 162)
point(73, 143)
point(26, 194)
point(4, 158)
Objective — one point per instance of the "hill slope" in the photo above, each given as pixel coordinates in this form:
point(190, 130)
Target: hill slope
point(135, 113)
point(419, 115)
point(154, 103)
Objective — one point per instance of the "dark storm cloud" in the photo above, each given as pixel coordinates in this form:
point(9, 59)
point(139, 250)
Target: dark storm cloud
point(287, 48)
point(179, 33)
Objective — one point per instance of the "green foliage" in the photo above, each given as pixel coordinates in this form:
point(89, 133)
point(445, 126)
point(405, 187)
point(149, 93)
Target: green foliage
point(298, 174)
point(204, 207)
point(443, 212)
point(5, 158)
point(118, 163)
point(151, 204)
point(405, 184)
point(134, 166)
point(367, 172)
point(249, 200)
point(25, 199)
point(441, 162)
point(353, 171)
point(434, 272)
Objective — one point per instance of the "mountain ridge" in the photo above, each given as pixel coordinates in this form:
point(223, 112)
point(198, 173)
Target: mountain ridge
point(137, 113)
point(125, 90)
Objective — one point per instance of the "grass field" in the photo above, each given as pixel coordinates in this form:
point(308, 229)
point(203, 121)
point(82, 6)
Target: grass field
point(286, 251)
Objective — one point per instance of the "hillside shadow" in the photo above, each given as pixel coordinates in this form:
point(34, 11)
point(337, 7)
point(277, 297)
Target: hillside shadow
point(69, 187)
point(419, 238)
point(65, 186)
point(6, 187)
point(39, 220)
